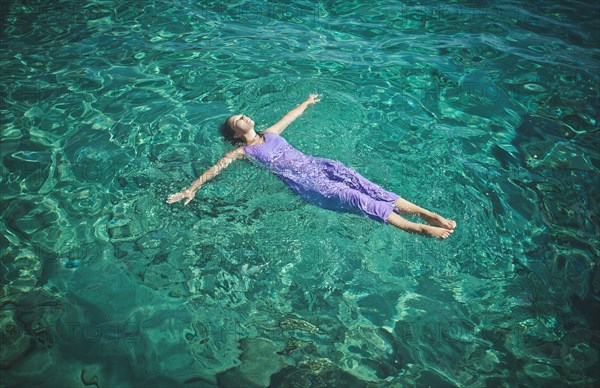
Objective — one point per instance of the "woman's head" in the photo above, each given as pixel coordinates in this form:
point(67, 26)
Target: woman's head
point(235, 127)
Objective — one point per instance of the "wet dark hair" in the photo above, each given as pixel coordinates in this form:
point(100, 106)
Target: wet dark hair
point(228, 133)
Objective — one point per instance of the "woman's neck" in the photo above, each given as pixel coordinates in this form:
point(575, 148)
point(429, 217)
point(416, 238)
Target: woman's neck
point(254, 139)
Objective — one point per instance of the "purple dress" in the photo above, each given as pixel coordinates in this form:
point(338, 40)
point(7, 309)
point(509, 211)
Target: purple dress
point(326, 182)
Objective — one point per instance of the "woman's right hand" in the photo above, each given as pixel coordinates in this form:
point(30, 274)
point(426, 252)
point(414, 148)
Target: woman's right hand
point(187, 193)
point(313, 99)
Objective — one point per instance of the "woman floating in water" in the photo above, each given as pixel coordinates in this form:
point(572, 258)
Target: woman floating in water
point(325, 181)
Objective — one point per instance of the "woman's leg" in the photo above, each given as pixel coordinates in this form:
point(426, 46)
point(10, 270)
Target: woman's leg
point(383, 211)
point(406, 207)
point(413, 227)
point(354, 180)
point(379, 203)
point(378, 210)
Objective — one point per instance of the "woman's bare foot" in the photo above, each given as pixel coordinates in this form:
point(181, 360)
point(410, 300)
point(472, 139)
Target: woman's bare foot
point(439, 233)
point(437, 220)
point(412, 227)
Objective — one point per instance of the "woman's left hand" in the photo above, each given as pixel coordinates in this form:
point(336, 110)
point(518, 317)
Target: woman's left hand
point(313, 98)
point(186, 194)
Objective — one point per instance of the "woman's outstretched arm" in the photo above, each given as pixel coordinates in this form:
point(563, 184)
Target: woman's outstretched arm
point(292, 115)
point(190, 192)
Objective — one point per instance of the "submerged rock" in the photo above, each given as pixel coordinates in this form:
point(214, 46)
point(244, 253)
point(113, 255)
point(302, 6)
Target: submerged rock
point(259, 360)
point(298, 324)
point(317, 372)
point(294, 344)
point(22, 270)
point(14, 339)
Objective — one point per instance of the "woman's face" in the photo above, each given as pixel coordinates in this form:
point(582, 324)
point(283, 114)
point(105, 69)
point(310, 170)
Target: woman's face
point(241, 124)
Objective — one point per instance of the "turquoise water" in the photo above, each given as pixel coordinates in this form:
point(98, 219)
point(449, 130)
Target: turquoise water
point(485, 113)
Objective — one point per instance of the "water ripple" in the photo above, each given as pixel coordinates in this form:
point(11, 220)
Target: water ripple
point(486, 113)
